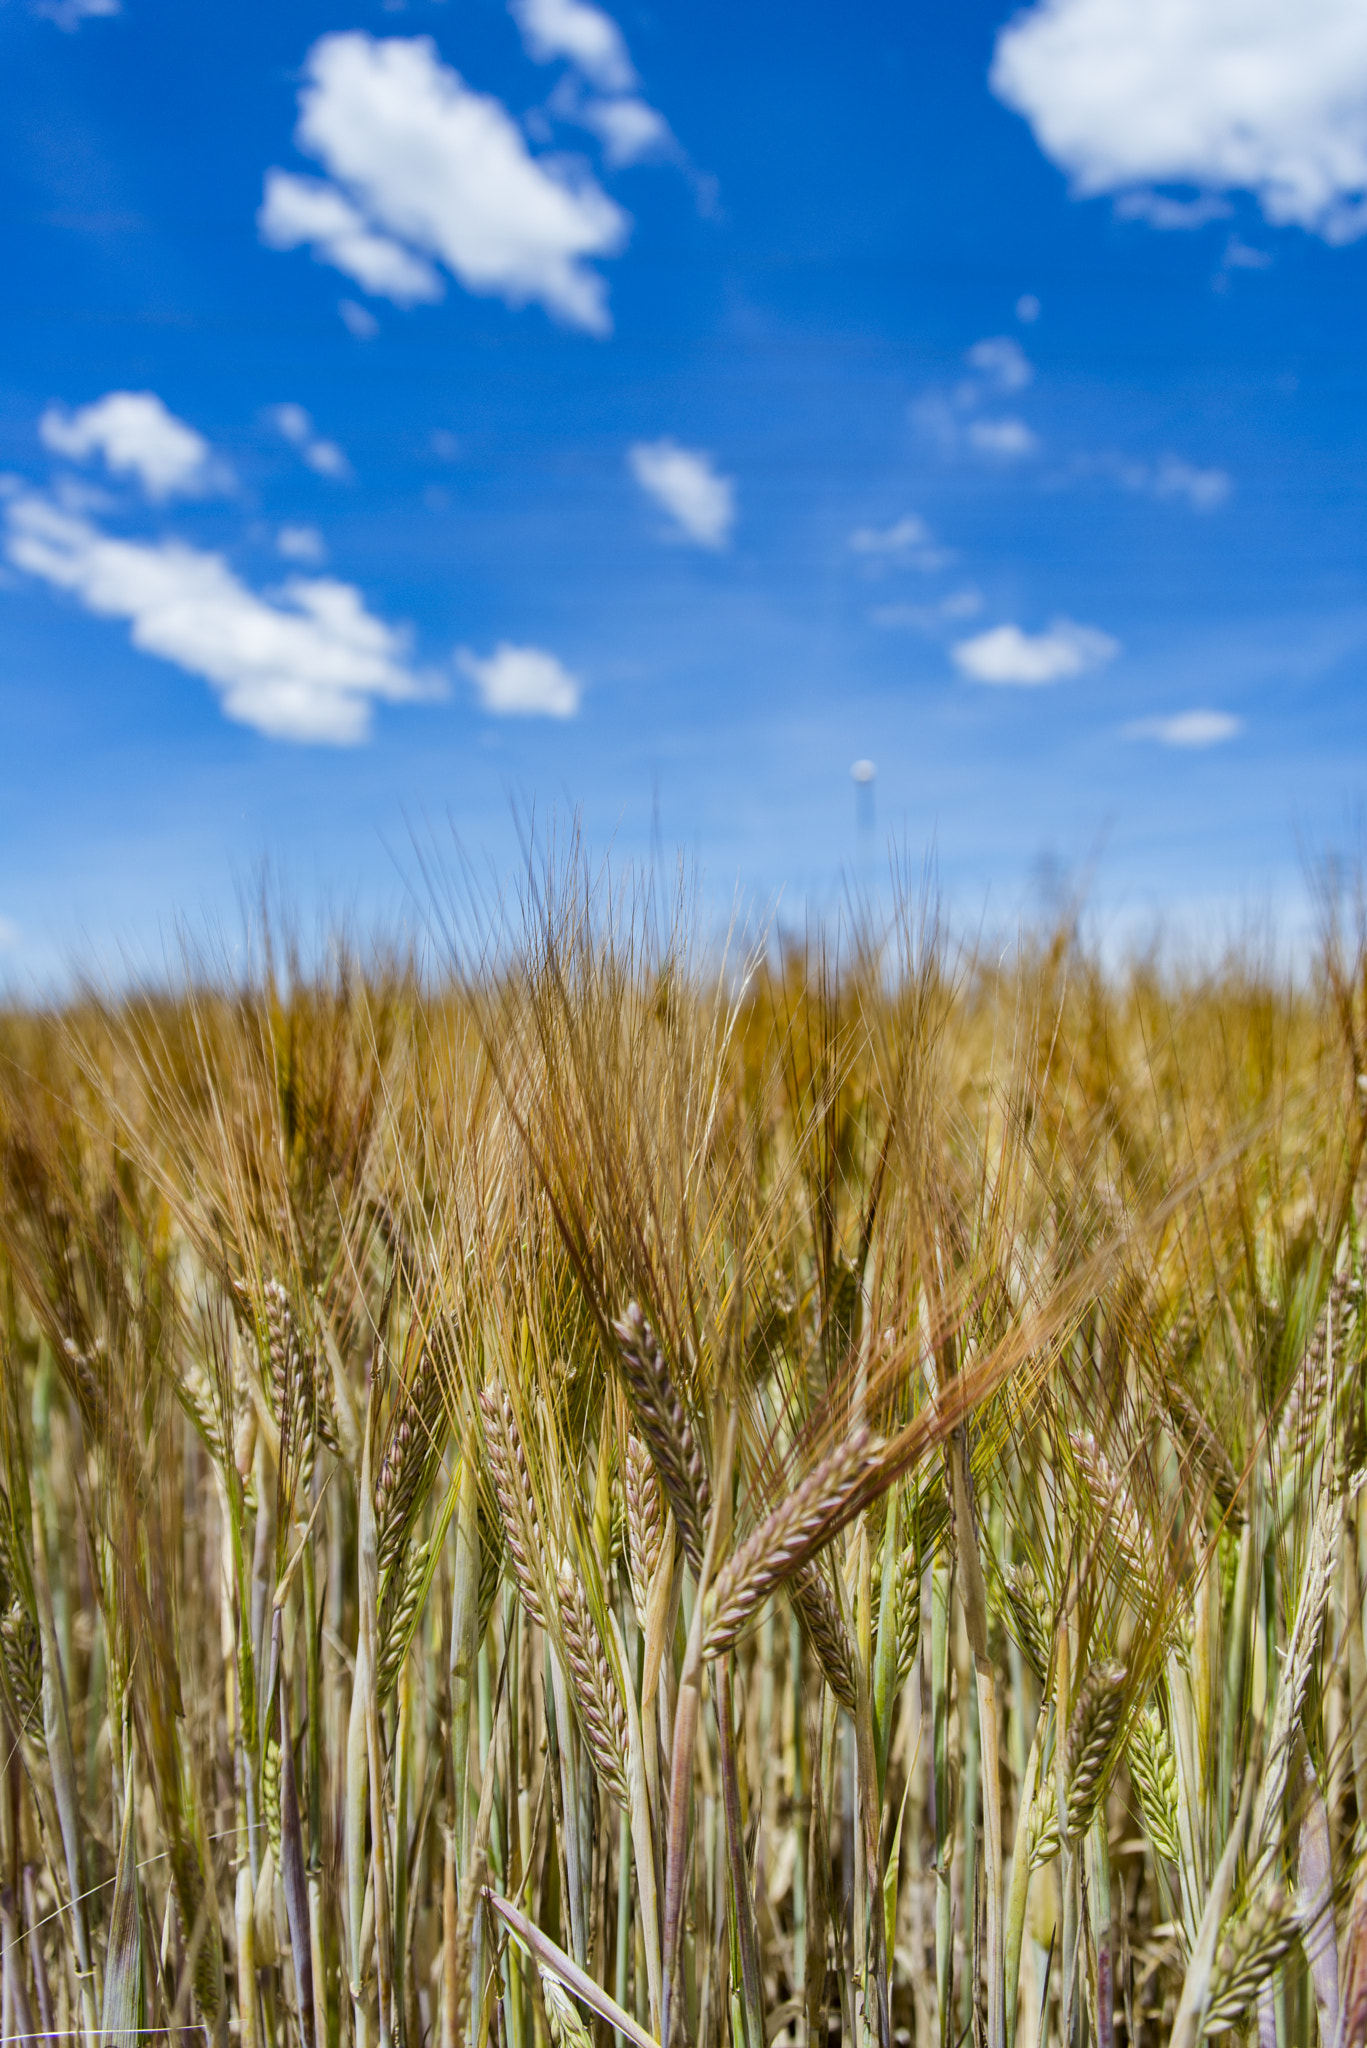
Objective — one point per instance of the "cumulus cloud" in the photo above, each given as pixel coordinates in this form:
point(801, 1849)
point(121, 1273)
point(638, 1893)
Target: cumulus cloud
point(137, 436)
point(305, 663)
point(686, 484)
point(1211, 95)
point(1006, 655)
point(1005, 440)
point(301, 544)
point(426, 171)
point(586, 36)
point(1003, 361)
point(1187, 729)
point(308, 212)
point(521, 682)
point(324, 457)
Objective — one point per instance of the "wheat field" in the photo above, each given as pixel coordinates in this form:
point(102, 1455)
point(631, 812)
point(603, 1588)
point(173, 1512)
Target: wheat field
point(616, 1491)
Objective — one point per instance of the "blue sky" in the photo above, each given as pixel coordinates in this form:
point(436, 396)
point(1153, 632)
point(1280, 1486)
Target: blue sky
point(412, 413)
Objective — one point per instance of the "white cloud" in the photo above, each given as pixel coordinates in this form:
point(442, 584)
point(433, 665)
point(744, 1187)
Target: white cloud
point(301, 544)
point(306, 663)
point(1005, 440)
point(299, 211)
point(1162, 211)
point(1187, 729)
point(686, 483)
point(1002, 360)
point(930, 618)
point(521, 682)
point(907, 541)
point(590, 39)
point(430, 170)
point(324, 457)
point(898, 539)
point(630, 130)
point(358, 320)
point(1007, 655)
point(1203, 489)
point(293, 422)
point(1027, 308)
point(137, 436)
point(328, 460)
point(1263, 96)
point(69, 14)
point(1240, 255)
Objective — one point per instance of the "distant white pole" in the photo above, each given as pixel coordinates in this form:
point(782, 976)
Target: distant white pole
point(862, 775)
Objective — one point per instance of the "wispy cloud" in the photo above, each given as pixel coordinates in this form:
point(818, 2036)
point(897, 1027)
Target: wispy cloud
point(956, 419)
point(1210, 97)
point(907, 542)
point(358, 320)
point(1003, 361)
point(585, 36)
point(629, 128)
point(1171, 477)
point(136, 436)
point(324, 457)
point(1186, 729)
point(301, 544)
point(69, 14)
point(305, 663)
point(1008, 656)
point(951, 609)
point(521, 682)
point(1203, 489)
point(426, 171)
point(1160, 210)
point(686, 483)
point(1005, 440)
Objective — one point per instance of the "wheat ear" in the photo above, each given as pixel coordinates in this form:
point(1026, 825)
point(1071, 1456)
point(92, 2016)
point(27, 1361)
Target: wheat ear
point(786, 1539)
point(1032, 1623)
point(516, 1502)
point(1107, 1501)
point(1090, 1733)
point(826, 1631)
point(645, 1524)
point(595, 1689)
point(1251, 1947)
point(665, 1425)
point(1153, 1773)
point(563, 2017)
